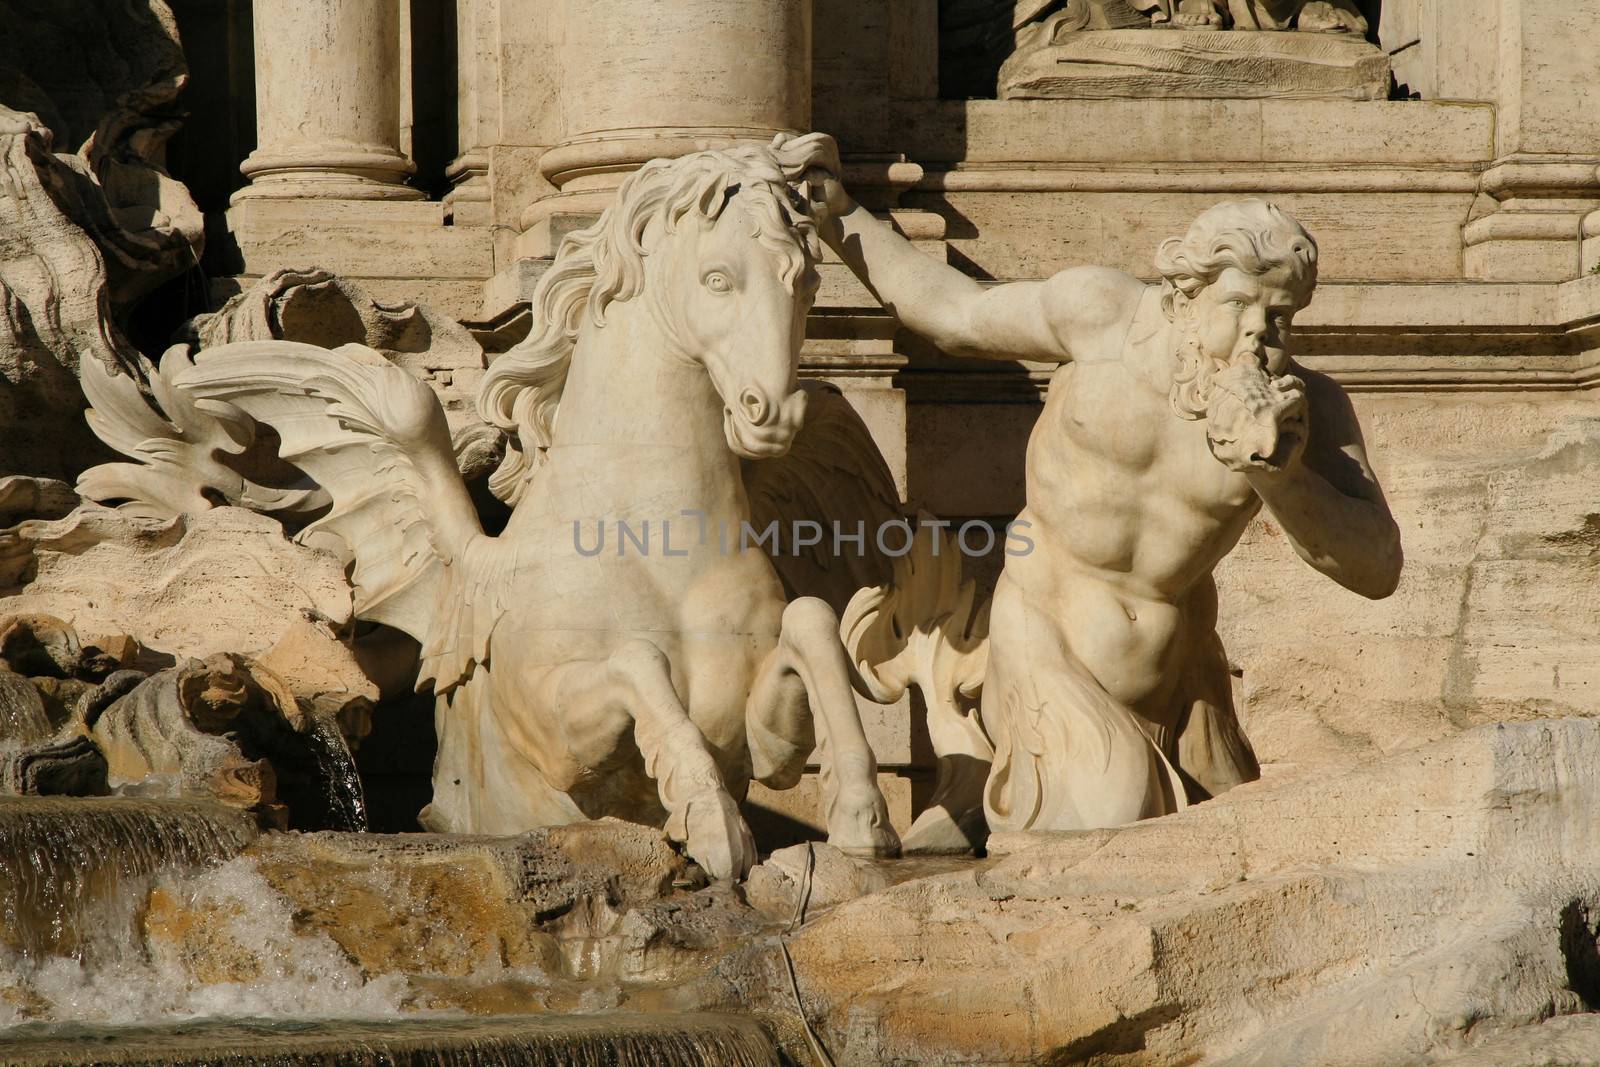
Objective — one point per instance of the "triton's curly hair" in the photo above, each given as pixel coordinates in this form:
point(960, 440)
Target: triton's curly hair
point(1252, 235)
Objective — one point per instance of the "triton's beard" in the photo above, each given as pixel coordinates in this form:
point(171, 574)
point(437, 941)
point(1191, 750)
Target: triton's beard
point(1191, 382)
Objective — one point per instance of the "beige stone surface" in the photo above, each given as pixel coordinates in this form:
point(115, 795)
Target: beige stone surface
point(1193, 131)
point(1208, 65)
point(313, 661)
point(795, 883)
point(1490, 618)
point(1565, 1041)
point(1012, 232)
point(396, 251)
point(1400, 911)
point(226, 580)
point(328, 102)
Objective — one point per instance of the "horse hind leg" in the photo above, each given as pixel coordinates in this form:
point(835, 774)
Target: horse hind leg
point(803, 689)
point(594, 700)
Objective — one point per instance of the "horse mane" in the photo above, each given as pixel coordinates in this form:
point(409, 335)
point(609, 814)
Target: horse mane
point(605, 263)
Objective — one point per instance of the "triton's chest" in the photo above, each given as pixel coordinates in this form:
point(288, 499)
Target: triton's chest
point(1110, 427)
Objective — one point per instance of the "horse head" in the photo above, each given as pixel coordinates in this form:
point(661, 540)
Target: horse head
point(722, 252)
point(731, 282)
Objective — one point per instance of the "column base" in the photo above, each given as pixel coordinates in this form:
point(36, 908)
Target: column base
point(1527, 245)
point(468, 201)
point(1589, 258)
point(327, 172)
point(1536, 230)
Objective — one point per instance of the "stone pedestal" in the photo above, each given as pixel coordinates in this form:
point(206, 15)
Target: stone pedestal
point(327, 102)
point(1238, 64)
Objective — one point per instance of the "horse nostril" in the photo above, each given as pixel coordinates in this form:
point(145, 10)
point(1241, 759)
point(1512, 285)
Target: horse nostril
point(754, 405)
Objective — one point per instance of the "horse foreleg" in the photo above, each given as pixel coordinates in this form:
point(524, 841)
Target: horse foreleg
point(804, 688)
point(594, 701)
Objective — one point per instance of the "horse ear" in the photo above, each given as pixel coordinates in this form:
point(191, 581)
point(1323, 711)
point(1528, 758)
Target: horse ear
point(715, 195)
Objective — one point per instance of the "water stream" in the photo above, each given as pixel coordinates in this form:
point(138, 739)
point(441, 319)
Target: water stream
point(67, 863)
point(679, 1040)
point(139, 931)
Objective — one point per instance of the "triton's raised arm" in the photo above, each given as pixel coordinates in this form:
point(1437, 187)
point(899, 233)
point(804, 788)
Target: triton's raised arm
point(1045, 321)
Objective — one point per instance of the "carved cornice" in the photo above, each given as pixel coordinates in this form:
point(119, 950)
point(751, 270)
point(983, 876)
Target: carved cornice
point(1443, 337)
point(1206, 178)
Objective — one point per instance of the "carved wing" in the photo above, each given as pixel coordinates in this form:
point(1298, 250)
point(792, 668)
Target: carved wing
point(375, 438)
point(833, 475)
point(923, 630)
point(178, 447)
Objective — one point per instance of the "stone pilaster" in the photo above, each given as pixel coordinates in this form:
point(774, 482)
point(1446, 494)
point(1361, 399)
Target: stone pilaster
point(477, 109)
point(1529, 225)
point(327, 102)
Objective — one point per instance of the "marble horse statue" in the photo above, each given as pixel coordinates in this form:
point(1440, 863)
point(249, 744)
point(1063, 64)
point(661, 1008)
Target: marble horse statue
point(652, 678)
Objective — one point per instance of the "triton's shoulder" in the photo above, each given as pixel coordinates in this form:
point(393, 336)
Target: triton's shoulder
point(1092, 297)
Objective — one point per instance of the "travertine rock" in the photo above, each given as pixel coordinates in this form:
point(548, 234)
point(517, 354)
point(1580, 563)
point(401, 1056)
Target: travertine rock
point(314, 662)
point(225, 580)
point(22, 716)
point(1566, 1041)
point(103, 82)
point(39, 646)
point(317, 307)
point(797, 882)
point(1402, 910)
point(92, 220)
point(227, 729)
point(1493, 619)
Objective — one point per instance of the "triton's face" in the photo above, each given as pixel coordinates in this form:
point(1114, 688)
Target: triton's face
point(1243, 314)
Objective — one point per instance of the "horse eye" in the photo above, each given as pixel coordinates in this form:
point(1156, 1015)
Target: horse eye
point(718, 282)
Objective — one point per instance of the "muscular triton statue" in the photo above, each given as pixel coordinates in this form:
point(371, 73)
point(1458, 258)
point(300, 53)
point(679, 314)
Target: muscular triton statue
point(1176, 414)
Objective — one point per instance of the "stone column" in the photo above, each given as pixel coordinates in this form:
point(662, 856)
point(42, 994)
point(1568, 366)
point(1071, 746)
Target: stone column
point(640, 80)
point(327, 102)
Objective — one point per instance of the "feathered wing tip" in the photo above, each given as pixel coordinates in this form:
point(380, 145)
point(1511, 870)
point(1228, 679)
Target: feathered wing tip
point(376, 439)
point(179, 447)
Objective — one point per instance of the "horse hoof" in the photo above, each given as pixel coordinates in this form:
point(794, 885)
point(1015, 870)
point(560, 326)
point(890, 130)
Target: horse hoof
point(866, 834)
point(718, 839)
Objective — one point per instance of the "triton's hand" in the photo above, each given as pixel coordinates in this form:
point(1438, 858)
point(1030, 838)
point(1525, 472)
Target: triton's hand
point(813, 159)
point(1256, 422)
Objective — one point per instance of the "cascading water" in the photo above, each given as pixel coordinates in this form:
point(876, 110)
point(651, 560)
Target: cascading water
point(66, 863)
point(191, 944)
point(687, 1040)
point(152, 930)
